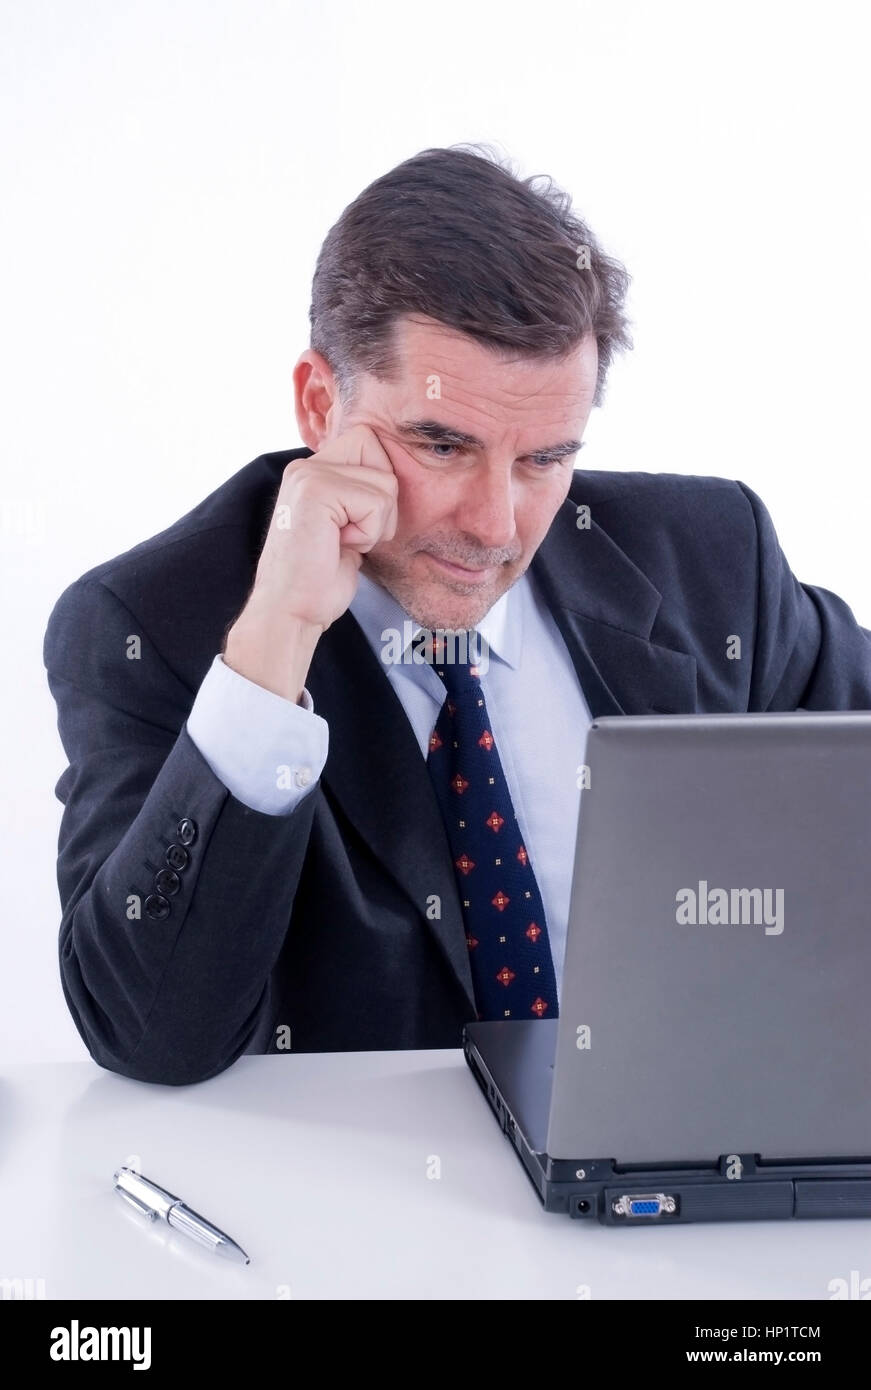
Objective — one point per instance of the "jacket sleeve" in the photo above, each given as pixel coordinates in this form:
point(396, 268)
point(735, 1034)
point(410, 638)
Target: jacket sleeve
point(171, 996)
point(809, 651)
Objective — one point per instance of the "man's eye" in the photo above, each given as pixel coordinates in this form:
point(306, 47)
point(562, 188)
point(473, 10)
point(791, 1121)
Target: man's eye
point(537, 460)
point(542, 461)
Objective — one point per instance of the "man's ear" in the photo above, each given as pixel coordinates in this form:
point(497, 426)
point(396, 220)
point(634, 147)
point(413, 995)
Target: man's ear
point(316, 398)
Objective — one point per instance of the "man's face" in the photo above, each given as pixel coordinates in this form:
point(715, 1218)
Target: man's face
point(471, 514)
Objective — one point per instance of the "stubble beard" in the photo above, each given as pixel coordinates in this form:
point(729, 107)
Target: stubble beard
point(432, 611)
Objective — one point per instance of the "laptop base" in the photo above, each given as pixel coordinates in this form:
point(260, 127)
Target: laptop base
point(738, 1187)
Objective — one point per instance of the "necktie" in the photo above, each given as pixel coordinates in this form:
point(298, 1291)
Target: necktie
point(506, 932)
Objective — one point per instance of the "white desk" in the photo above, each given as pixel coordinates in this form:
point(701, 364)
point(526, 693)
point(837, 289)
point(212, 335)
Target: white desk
point(317, 1165)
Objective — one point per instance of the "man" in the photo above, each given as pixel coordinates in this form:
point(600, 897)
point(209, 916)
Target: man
point(284, 830)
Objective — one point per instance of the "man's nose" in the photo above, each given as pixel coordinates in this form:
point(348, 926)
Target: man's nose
point(486, 509)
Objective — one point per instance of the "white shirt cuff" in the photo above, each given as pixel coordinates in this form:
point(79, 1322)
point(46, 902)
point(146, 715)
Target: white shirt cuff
point(266, 750)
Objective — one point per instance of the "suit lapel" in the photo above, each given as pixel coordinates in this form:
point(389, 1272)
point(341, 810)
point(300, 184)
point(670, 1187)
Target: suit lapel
point(375, 772)
point(605, 609)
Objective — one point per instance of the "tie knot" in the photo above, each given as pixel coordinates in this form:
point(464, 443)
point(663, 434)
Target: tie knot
point(456, 657)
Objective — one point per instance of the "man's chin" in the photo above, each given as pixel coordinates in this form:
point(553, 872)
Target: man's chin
point(448, 604)
point(440, 607)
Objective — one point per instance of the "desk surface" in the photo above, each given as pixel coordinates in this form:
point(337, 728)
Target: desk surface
point(318, 1166)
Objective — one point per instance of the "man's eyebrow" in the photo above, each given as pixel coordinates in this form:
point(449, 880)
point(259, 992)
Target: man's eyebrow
point(437, 433)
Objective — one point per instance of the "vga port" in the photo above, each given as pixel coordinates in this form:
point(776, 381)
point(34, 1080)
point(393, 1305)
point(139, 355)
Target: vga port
point(644, 1204)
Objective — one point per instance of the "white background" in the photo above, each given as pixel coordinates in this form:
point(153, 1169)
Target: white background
point(169, 171)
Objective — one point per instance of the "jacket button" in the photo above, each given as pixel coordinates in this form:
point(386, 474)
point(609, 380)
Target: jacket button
point(167, 881)
point(187, 831)
point(157, 907)
point(177, 857)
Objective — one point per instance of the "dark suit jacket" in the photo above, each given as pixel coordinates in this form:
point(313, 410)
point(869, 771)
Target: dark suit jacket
point(317, 920)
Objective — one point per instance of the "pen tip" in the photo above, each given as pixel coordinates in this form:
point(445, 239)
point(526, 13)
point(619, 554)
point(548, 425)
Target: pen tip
point(229, 1250)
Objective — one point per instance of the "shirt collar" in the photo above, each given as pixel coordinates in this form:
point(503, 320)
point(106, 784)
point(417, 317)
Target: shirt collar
point(377, 611)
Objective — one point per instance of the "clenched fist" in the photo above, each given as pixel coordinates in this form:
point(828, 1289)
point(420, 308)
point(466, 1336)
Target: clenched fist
point(331, 509)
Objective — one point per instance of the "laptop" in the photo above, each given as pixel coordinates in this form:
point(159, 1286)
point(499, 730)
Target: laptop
point(712, 1056)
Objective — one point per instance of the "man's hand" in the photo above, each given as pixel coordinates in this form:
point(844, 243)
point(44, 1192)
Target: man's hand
point(331, 509)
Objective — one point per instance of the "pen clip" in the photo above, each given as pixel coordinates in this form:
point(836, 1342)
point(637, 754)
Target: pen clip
point(135, 1202)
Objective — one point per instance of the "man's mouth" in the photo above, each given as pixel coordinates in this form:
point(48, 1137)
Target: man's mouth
point(461, 571)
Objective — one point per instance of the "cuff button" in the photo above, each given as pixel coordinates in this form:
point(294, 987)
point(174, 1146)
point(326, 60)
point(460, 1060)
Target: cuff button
point(157, 907)
point(166, 881)
point(186, 831)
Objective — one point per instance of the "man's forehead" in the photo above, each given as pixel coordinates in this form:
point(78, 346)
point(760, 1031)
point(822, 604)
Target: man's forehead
point(472, 388)
point(417, 338)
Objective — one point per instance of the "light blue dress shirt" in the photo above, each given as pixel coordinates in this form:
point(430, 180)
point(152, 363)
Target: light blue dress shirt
point(269, 752)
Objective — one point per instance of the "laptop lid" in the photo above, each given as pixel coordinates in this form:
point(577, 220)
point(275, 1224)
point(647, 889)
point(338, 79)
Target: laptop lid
point(715, 994)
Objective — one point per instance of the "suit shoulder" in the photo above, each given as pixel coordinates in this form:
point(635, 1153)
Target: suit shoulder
point(207, 553)
point(671, 523)
point(694, 505)
point(236, 503)
point(633, 489)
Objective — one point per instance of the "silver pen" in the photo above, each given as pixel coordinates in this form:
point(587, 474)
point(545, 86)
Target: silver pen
point(156, 1203)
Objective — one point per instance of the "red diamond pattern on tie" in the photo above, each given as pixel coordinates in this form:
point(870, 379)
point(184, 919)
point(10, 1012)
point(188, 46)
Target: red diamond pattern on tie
point(506, 931)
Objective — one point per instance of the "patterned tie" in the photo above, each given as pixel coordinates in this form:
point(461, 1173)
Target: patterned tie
point(506, 932)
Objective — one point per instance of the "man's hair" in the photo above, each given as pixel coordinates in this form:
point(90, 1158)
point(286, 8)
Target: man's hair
point(455, 235)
